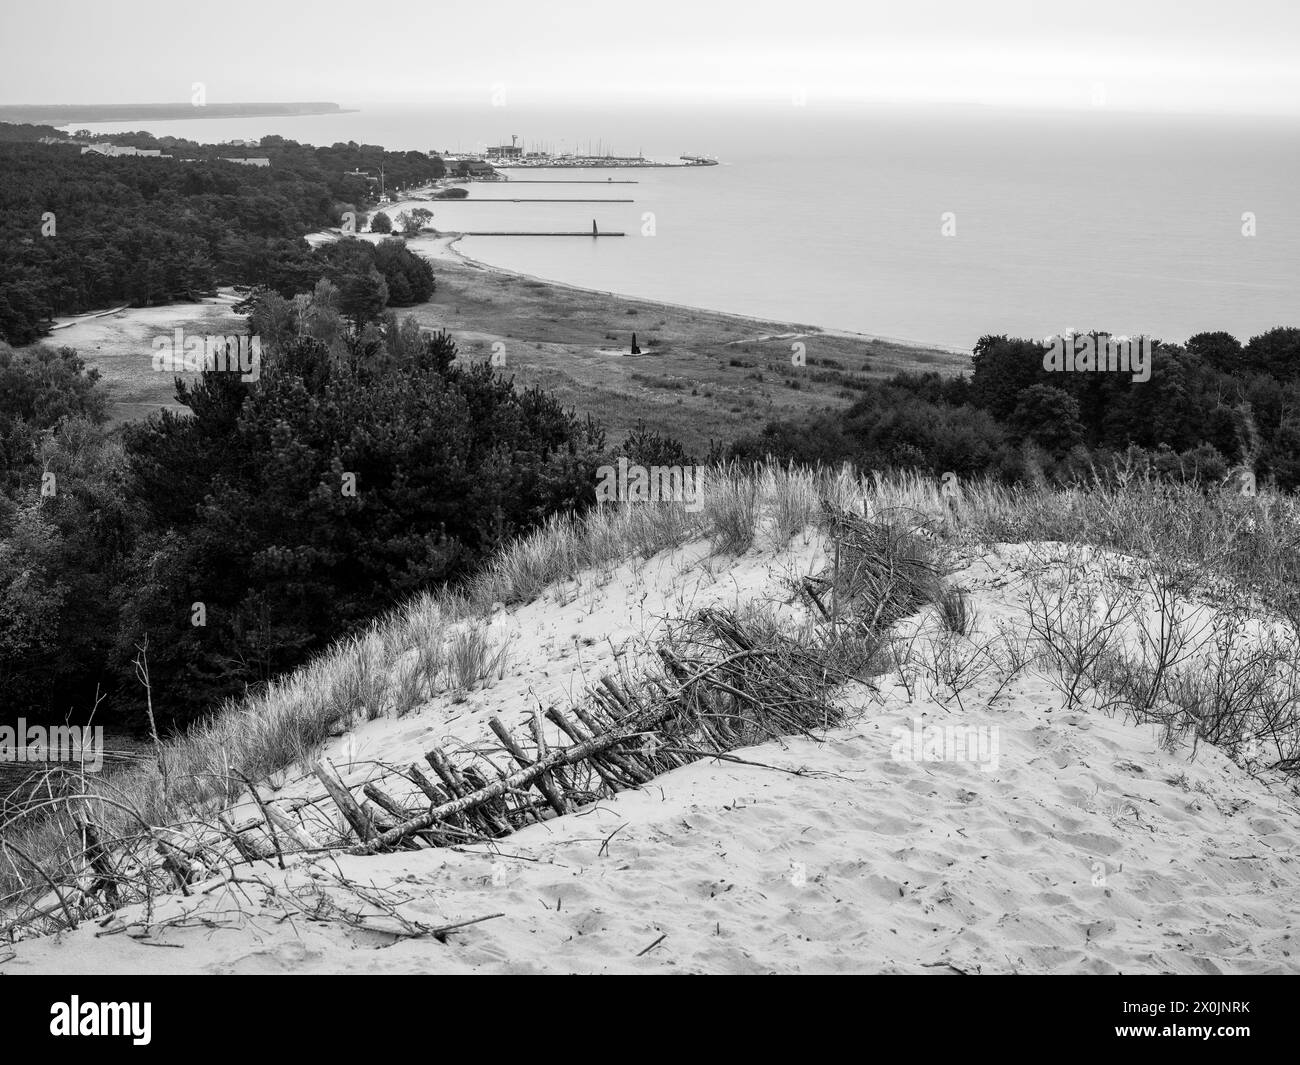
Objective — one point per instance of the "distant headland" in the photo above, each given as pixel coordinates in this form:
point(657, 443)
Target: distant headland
point(62, 114)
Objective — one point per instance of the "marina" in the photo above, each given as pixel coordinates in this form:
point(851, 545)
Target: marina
point(516, 156)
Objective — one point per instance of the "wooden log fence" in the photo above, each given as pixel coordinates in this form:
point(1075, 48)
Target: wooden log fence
point(720, 687)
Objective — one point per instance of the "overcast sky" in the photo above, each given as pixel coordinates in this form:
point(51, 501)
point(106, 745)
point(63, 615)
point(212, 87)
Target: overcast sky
point(1182, 55)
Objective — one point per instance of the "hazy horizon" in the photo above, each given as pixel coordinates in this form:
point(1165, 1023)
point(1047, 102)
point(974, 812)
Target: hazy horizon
point(1162, 57)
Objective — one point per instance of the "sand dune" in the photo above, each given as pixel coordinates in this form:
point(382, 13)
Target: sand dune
point(1083, 845)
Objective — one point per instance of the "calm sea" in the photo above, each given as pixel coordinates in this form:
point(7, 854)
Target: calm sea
point(835, 217)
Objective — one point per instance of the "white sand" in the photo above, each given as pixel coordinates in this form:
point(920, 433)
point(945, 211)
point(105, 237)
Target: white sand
point(1087, 849)
point(136, 327)
point(120, 346)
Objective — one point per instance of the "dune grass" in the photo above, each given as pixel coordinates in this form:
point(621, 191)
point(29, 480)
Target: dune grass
point(441, 641)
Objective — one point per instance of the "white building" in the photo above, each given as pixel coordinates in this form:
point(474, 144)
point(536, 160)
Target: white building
point(113, 151)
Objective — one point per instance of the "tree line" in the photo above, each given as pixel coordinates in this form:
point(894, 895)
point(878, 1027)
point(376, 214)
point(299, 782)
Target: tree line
point(1210, 405)
point(85, 232)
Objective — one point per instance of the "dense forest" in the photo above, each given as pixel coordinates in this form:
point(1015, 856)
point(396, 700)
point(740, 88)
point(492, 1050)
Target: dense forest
point(83, 232)
point(231, 542)
point(25, 131)
point(1210, 405)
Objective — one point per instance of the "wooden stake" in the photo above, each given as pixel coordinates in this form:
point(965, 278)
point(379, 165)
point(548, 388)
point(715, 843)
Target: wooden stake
point(385, 801)
point(294, 831)
point(436, 795)
point(622, 773)
point(180, 870)
point(627, 755)
point(248, 849)
point(356, 817)
point(457, 786)
point(522, 778)
point(542, 782)
point(561, 778)
point(105, 877)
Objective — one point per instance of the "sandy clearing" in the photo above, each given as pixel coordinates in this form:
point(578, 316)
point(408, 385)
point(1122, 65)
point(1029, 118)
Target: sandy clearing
point(119, 346)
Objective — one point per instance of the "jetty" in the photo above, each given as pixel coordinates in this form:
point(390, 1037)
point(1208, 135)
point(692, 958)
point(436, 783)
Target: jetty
point(536, 233)
point(595, 232)
point(502, 199)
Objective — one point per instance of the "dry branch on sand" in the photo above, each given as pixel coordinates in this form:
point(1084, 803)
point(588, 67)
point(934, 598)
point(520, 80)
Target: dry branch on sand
point(716, 684)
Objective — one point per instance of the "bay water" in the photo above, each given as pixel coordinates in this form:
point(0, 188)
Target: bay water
point(932, 225)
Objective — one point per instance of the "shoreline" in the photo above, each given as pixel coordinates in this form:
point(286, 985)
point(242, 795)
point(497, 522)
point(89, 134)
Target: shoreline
point(701, 375)
point(800, 328)
point(448, 252)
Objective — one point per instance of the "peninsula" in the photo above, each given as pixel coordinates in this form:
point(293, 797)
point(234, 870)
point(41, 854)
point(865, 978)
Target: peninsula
point(62, 114)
